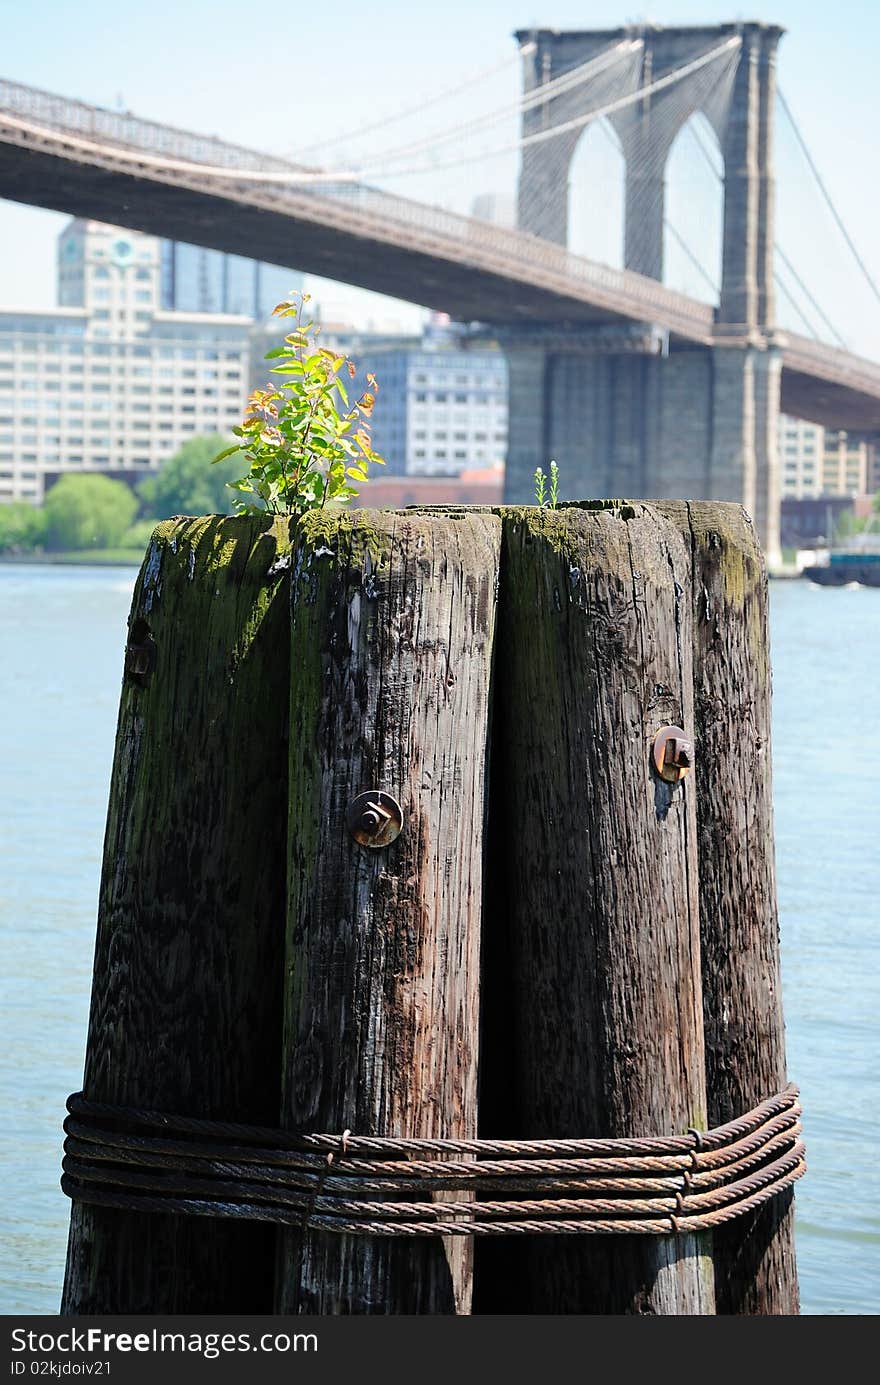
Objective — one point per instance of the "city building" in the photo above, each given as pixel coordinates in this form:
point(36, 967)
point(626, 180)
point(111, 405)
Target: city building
point(441, 404)
point(815, 461)
point(131, 363)
point(350, 341)
point(442, 409)
point(110, 381)
point(844, 465)
point(801, 453)
point(196, 280)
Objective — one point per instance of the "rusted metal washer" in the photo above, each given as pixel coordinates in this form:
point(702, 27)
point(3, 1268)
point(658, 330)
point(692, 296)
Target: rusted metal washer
point(672, 753)
point(374, 818)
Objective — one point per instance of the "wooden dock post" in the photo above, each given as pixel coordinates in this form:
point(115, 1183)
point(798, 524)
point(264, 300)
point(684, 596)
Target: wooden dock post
point(393, 623)
point(755, 1268)
point(186, 993)
point(318, 750)
point(593, 922)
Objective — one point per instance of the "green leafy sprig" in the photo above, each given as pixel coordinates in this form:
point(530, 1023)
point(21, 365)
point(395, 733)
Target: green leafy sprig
point(303, 449)
point(547, 496)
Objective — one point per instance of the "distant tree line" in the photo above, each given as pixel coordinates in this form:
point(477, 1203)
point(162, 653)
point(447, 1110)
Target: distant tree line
point(83, 511)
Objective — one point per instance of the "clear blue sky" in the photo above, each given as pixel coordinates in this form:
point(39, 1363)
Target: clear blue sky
point(283, 79)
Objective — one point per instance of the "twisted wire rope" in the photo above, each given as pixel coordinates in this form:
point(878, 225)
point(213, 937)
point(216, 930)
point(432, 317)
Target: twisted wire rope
point(356, 1184)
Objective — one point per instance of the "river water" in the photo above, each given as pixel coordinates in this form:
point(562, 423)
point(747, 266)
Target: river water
point(61, 639)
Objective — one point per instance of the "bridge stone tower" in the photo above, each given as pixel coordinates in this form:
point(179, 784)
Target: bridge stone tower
point(628, 411)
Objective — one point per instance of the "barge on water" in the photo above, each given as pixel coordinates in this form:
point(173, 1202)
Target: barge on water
point(859, 561)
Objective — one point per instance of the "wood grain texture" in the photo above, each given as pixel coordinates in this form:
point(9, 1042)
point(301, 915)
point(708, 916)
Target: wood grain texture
point(592, 1009)
point(393, 622)
point(755, 1267)
point(186, 993)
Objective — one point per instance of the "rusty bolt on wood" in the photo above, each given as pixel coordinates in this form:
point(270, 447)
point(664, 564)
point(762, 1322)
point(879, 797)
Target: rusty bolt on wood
point(140, 661)
point(673, 754)
point(374, 819)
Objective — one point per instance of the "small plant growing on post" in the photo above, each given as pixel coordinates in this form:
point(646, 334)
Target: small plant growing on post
point(303, 452)
point(547, 496)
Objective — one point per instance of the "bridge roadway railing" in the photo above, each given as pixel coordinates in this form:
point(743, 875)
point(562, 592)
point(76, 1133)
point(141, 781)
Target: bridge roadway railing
point(121, 127)
point(519, 255)
point(119, 138)
point(829, 363)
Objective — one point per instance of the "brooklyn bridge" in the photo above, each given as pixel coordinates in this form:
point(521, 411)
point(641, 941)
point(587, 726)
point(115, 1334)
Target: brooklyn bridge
point(634, 388)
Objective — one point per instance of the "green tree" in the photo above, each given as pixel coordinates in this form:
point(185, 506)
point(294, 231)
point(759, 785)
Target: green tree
point(88, 512)
point(139, 535)
point(188, 484)
point(22, 527)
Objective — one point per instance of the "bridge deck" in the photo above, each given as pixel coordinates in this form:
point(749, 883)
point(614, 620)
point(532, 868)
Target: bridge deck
point(118, 169)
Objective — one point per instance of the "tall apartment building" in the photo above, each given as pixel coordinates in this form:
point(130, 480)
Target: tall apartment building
point(110, 381)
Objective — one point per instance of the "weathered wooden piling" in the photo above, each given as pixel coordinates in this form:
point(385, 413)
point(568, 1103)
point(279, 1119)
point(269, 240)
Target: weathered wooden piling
point(755, 1269)
point(592, 947)
point(594, 912)
point(186, 994)
point(393, 624)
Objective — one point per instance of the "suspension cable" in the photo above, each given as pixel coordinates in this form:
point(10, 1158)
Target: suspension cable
point(828, 198)
point(683, 245)
point(782, 255)
point(808, 295)
point(610, 57)
point(576, 123)
point(780, 284)
point(417, 109)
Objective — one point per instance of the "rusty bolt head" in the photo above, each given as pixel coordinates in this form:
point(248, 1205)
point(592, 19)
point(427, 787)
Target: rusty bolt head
point(374, 819)
point(672, 753)
point(140, 661)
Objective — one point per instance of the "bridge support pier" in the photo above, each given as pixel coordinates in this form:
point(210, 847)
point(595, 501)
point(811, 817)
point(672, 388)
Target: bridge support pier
point(623, 416)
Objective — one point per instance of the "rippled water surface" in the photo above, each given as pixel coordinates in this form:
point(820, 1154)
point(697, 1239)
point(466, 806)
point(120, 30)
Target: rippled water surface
point(61, 641)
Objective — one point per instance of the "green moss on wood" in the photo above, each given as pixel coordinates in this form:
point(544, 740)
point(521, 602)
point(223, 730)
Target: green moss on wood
point(365, 532)
point(186, 1000)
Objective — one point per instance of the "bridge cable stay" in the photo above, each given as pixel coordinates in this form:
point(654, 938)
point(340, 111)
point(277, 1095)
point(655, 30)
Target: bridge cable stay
point(832, 207)
point(578, 122)
point(537, 195)
point(610, 57)
point(558, 103)
point(817, 308)
point(647, 133)
point(673, 231)
point(686, 250)
point(786, 292)
point(808, 295)
point(407, 112)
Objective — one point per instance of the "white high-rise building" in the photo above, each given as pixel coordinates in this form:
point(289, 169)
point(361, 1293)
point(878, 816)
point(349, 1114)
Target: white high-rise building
point(108, 382)
point(801, 450)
